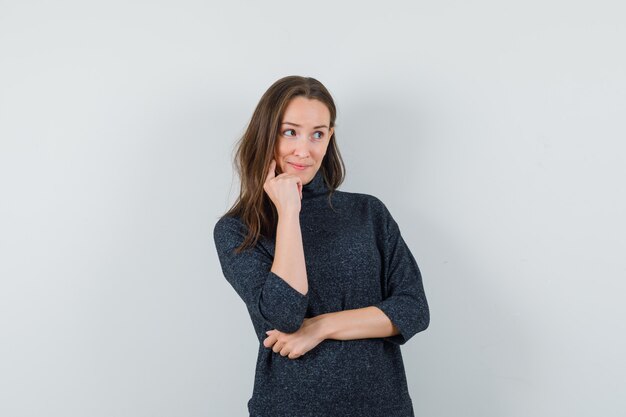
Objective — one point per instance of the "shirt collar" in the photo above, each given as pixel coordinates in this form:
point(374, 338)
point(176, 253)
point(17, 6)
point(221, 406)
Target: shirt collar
point(315, 187)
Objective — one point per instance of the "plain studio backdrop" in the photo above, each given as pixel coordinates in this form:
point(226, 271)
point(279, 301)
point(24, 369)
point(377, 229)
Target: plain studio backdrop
point(493, 131)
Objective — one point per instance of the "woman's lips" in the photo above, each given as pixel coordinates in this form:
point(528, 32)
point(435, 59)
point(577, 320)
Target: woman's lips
point(298, 167)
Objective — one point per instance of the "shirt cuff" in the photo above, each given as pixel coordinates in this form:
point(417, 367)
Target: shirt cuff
point(282, 305)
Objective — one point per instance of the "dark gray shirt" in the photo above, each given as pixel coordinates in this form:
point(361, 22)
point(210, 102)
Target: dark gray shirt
point(355, 257)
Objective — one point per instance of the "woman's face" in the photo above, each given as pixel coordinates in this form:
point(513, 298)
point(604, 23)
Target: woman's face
point(303, 138)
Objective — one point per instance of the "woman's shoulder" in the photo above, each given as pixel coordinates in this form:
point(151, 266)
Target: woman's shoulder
point(228, 225)
point(370, 200)
point(226, 219)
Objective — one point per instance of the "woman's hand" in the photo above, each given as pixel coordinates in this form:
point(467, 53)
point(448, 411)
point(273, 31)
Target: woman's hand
point(296, 344)
point(285, 190)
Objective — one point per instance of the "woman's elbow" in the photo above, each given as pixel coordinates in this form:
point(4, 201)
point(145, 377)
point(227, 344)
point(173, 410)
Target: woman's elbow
point(423, 318)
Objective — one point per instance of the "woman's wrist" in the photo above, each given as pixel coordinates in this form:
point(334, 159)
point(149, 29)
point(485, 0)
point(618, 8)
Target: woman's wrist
point(288, 214)
point(325, 326)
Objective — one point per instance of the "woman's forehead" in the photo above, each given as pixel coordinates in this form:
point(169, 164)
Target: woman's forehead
point(306, 112)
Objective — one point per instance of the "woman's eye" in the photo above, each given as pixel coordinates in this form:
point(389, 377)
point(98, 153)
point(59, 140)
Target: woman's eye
point(292, 133)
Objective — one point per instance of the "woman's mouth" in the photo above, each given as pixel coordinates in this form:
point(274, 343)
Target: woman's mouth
point(298, 167)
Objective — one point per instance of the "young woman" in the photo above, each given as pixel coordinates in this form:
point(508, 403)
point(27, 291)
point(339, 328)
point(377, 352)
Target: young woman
point(331, 286)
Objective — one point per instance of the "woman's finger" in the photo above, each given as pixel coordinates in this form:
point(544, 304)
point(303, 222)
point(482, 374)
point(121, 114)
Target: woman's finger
point(270, 340)
point(278, 345)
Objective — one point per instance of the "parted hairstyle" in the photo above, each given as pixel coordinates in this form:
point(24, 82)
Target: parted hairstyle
point(255, 151)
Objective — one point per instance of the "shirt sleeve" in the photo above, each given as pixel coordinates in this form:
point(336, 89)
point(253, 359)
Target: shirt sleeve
point(267, 296)
point(404, 301)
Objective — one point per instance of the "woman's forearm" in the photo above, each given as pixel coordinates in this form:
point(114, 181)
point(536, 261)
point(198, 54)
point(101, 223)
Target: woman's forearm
point(289, 253)
point(360, 323)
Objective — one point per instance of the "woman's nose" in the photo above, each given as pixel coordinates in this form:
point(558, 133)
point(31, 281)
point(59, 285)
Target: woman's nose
point(302, 148)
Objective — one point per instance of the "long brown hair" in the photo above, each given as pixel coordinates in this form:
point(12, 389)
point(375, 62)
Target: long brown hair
point(255, 150)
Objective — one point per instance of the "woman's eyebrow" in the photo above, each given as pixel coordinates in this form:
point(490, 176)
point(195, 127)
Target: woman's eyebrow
point(316, 127)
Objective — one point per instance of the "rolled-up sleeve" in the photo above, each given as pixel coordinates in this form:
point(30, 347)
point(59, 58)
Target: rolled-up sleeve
point(404, 300)
point(267, 296)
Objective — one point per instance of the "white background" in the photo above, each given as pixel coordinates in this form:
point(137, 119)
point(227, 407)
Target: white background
point(492, 130)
